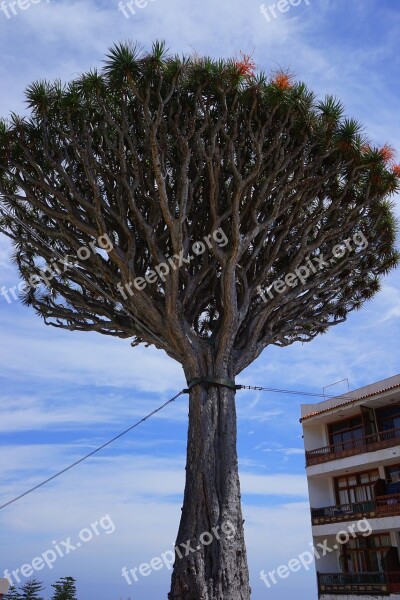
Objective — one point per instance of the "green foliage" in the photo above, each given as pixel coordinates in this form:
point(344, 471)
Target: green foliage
point(31, 589)
point(159, 150)
point(13, 594)
point(64, 589)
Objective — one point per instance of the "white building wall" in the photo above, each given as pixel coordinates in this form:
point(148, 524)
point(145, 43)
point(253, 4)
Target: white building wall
point(330, 562)
point(314, 437)
point(383, 524)
point(321, 492)
point(369, 460)
point(320, 478)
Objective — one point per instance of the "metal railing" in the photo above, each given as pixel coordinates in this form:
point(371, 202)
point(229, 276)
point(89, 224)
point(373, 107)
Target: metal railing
point(381, 506)
point(367, 443)
point(388, 505)
point(377, 583)
point(343, 512)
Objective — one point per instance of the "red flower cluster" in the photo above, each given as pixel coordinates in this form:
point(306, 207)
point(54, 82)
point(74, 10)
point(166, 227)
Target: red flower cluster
point(387, 153)
point(282, 80)
point(396, 170)
point(246, 66)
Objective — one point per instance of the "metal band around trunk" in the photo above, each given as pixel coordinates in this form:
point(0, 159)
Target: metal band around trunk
point(211, 381)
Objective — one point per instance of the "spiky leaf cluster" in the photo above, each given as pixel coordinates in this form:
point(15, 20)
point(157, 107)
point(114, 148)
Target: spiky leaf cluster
point(158, 152)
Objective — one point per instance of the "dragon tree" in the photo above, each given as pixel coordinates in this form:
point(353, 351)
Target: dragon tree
point(207, 209)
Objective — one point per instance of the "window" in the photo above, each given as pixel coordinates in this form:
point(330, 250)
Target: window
point(388, 417)
point(346, 434)
point(366, 554)
point(393, 473)
point(356, 487)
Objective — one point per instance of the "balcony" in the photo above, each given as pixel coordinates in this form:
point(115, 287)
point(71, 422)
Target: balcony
point(387, 506)
point(368, 443)
point(366, 584)
point(381, 506)
point(343, 512)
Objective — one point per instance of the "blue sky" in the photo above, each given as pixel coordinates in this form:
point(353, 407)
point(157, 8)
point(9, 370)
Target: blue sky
point(62, 393)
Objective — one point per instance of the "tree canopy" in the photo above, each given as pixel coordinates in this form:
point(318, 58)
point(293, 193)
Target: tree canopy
point(157, 152)
point(64, 589)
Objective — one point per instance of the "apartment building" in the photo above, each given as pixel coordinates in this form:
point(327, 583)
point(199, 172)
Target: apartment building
point(352, 446)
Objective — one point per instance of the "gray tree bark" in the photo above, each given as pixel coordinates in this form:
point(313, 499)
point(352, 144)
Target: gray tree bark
point(214, 566)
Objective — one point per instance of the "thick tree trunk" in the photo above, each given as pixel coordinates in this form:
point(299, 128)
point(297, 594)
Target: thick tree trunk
point(210, 555)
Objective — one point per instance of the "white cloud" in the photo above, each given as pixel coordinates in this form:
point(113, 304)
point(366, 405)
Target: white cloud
point(142, 495)
point(148, 475)
point(271, 447)
point(390, 302)
point(86, 358)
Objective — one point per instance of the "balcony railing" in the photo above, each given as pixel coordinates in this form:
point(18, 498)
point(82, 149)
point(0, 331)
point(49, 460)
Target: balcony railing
point(368, 584)
point(343, 512)
point(381, 506)
point(367, 443)
point(388, 505)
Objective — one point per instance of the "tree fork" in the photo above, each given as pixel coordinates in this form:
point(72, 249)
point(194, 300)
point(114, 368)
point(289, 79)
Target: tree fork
point(214, 565)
